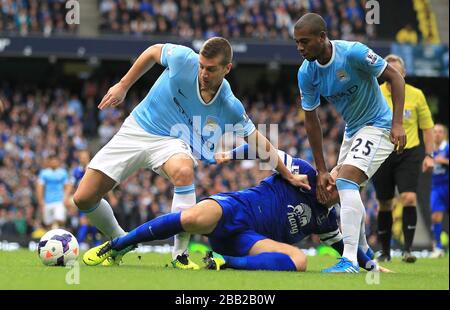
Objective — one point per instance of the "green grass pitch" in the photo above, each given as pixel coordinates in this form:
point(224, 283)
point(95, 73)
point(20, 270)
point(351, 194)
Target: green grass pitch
point(23, 270)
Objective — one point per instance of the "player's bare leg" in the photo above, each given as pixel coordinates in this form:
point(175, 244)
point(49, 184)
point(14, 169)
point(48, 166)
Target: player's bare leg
point(89, 199)
point(202, 218)
point(265, 254)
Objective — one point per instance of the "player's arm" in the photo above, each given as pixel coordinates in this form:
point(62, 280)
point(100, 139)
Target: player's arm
point(426, 124)
point(428, 162)
point(310, 101)
point(143, 63)
point(266, 151)
point(314, 131)
point(397, 82)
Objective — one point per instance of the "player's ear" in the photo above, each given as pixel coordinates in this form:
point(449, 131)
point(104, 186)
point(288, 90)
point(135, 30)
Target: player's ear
point(322, 36)
point(228, 68)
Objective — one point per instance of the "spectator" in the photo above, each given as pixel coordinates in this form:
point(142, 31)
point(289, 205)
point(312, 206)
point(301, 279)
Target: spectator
point(406, 35)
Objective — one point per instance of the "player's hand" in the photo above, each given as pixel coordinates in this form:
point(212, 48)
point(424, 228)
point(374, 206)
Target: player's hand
point(427, 164)
point(222, 157)
point(299, 180)
point(114, 96)
point(324, 183)
point(2, 106)
point(398, 138)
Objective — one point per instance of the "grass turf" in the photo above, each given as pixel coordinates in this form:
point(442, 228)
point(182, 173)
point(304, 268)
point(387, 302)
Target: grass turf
point(23, 270)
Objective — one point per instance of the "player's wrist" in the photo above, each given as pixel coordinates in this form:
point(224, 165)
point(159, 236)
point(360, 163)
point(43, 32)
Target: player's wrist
point(429, 154)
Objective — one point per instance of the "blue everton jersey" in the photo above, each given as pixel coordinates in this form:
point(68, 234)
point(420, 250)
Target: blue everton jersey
point(53, 181)
point(174, 107)
point(349, 82)
point(282, 212)
point(77, 174)
point(440, 172)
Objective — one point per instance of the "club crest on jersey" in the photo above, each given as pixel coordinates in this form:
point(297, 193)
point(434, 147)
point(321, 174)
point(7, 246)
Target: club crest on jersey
point(211, 123)
point(407, 114)
point(342, 75)
point(371, 57)
point(298, 215)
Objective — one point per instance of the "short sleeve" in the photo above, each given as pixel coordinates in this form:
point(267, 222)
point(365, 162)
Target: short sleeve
point(424, 114)
point(367, 60)
point(243, 125)
point(310, 98)
point(174, 57)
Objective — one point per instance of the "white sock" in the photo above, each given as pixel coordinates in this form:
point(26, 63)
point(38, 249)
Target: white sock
point(102, 217)
point(183, 199)
point(362, 233)
point(352, 210)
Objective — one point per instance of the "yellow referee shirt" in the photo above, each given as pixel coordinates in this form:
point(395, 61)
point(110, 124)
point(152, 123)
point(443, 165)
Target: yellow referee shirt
point(416, 113)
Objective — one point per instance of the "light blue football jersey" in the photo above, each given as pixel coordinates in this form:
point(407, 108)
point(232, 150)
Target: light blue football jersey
point(173, 107)
point(349, 81)
point(53, 181)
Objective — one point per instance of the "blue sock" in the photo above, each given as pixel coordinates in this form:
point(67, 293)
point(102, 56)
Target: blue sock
point(262, 261)
point(159, 228)
point(437, 230)
point(82, 233)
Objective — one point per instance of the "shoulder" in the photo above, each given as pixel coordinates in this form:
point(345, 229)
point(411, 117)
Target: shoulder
point(354, 50)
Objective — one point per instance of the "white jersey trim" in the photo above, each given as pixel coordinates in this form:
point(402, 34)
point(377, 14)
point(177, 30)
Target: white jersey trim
point(333, 54)
point(213, 99)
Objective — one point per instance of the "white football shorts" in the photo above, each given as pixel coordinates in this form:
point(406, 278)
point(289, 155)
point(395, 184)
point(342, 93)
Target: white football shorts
point(133, 148)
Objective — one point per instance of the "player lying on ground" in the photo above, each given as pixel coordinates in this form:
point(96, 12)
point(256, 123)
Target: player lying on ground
point(253, 229)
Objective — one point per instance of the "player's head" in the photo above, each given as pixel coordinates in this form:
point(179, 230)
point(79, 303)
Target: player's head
point(310, 35)
point(215, 60)
point(84, 157)
point(396, 62)
point(53, 161)
point(440, 133)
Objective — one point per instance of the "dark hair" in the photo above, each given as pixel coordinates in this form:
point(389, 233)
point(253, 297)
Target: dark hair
point(217, 46)
point(314, 22)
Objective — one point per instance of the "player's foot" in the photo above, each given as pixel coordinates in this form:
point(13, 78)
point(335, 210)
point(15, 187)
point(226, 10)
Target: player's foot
point(437, 253)
point(97, 254)
point(408, 257)
point(116, 256)
point(370, 253)
point(213, 261)
point(384, 258)
point(344, 266)
point(184, 262)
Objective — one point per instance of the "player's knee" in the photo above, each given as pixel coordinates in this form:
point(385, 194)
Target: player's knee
point(408, 199)
point(190, 220)
point(299, 259)
point(183, 176)
point(83, 202)
point(385, 205)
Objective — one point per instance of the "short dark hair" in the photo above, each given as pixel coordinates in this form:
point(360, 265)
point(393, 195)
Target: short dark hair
point(314, 22)
point(218, 46)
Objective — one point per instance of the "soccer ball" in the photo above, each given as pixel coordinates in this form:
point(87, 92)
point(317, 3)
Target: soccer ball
point(58, 247)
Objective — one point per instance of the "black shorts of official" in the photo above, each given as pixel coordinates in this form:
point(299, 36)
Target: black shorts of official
point(401, 170)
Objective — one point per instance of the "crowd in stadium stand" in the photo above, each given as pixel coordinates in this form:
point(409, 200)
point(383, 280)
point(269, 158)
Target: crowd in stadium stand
point(258, 19)
point(40, 122)
point(35, 17)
